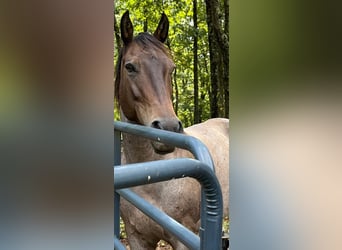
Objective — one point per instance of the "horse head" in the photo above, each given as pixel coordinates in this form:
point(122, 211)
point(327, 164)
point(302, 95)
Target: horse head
point(143, 80)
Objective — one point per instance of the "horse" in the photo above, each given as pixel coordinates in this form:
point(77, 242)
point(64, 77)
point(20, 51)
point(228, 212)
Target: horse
point(143, 93)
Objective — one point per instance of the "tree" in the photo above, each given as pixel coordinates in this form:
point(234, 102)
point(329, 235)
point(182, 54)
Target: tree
point(212, 8)
point(225, 57)
point(197, 118)
point(218, 47)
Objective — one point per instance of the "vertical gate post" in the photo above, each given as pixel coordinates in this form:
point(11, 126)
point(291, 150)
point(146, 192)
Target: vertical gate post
point(117, 161)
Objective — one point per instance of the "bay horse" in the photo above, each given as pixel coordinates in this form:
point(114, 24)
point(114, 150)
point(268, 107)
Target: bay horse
point(143, 92)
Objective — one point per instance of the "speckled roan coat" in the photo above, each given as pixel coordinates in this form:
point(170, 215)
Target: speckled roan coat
point(142, 89)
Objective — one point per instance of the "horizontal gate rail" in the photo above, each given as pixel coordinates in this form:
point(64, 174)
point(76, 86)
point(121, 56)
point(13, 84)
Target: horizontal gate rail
point(192, 144)
point(137, 174)
point(211, 196)
point(118, 245)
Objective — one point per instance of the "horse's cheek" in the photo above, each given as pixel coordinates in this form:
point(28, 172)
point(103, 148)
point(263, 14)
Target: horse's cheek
point(131, 115)
point(128, 110)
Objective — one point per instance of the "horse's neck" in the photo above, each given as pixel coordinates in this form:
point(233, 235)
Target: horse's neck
point(136, 148)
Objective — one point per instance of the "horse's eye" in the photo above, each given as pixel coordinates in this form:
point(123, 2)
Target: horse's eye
point(130, 68)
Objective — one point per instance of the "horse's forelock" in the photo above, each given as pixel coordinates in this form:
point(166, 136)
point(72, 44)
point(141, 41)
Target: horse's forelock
point(147, 40)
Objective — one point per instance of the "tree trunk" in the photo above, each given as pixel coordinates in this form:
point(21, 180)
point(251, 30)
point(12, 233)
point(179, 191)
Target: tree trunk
point(218, 49)
point(176, 91)
point(195, 51)
point(145, 25)
point(212, 10)
point(225, 55)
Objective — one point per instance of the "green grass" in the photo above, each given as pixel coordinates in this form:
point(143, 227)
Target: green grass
point(225, 224)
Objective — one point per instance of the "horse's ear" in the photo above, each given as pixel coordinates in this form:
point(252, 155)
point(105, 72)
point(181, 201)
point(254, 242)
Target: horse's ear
point(126, 27)
point(162, 29)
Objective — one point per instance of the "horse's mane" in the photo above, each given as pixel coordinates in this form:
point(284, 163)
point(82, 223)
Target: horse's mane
point(144, 40)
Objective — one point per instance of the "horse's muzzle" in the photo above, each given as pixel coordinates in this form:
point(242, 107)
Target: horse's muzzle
point(171, 124)
point(161, 148)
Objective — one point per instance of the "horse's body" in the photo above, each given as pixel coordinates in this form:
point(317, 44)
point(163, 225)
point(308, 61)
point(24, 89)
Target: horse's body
point(179, 198)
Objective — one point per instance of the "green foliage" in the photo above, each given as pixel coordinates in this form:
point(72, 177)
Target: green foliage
point(122, 230)
point(180, 41)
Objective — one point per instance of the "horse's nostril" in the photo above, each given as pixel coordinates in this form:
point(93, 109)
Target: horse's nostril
point(169, 125)
point(157, 124)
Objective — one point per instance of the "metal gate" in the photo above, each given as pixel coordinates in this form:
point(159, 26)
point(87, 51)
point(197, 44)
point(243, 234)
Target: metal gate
point(201, 168)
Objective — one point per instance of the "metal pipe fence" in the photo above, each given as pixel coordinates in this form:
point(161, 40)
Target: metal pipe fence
point(201, 169)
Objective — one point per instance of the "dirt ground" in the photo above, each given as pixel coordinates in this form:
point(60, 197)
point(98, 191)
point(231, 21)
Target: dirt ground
point(161, 244)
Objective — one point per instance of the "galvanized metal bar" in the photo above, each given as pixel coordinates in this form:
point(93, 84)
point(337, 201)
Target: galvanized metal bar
point(151, 172)
point(117, 161)
point(195, 146)
point(118, 245)
point(187, 237)
point(116, 215)
point(192, 144)
point(137, 174)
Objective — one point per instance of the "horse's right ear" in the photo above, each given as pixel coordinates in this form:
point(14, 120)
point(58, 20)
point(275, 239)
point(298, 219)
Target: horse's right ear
point(126, 27)
point(162, 29)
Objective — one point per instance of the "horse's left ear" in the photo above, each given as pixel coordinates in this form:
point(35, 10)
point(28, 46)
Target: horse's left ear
point(126, 27)
point(162, 29)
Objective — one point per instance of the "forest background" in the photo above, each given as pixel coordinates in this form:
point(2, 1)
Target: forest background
point(198, 40)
